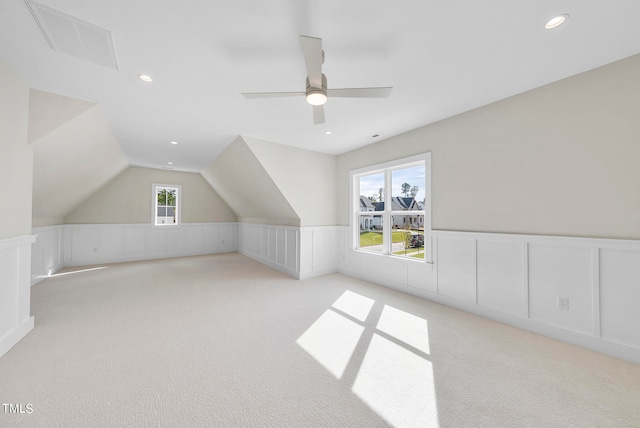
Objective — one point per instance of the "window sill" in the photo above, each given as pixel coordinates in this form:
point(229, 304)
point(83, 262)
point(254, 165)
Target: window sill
point(395, 258)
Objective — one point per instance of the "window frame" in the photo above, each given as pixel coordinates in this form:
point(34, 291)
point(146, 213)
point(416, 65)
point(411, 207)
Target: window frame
point(154, 204)
point(386, 169)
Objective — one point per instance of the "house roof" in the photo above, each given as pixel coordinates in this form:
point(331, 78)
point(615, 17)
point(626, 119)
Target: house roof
point(366, 203)
point(398, 203)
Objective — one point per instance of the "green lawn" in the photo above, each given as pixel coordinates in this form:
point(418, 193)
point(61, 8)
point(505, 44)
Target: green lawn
point(419, 253)
point(375, 238)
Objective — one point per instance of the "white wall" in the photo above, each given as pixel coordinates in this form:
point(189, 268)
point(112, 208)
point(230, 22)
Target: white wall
point(551, 170)
point(242, 182)
point(306, 179)
point(16, 169)
point(558, 160)
point(301, 252)
point(88, 244)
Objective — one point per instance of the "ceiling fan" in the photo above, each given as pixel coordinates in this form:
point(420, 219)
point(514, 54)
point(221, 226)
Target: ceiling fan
point(317, 92)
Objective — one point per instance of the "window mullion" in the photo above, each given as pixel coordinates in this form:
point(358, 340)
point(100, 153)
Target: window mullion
point(388, 229)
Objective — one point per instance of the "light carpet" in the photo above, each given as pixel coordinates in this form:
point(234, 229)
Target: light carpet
point(223, 341)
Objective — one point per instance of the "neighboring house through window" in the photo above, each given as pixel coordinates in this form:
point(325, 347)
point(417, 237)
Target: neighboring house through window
point(166, 204)
point(391, 208)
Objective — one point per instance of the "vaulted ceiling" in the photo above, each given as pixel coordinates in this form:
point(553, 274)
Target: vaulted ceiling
point(442, 58)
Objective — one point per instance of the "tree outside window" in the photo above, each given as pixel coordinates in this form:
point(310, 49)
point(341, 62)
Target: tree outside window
point(166, 207)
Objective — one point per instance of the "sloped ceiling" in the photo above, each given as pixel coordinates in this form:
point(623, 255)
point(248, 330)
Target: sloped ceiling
point(243, 183)
point(49, 111)
point(71, 161)
point(305, 178)
point(441, 57)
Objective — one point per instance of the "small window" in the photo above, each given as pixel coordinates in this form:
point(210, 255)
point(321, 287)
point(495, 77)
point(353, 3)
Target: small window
point(166, 205)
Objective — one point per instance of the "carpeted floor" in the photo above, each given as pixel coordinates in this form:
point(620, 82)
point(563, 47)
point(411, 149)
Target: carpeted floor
point(224, 341)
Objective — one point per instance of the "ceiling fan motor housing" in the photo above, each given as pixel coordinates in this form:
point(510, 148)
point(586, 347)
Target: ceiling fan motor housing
point(317, 96)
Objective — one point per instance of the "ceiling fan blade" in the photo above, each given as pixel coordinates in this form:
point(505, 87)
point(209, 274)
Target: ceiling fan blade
point(318, 115)
point(271, 94)
point(360, 92)
point(312, 51)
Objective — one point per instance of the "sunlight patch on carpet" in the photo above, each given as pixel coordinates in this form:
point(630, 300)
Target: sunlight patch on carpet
point(397, 384)
point(77, 271)
point(405, 327)
point(354, 304)
point(331, 340)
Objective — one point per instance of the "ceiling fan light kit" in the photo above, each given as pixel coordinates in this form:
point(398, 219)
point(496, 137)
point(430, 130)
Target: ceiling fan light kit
point(316, 92)
point(317, 96)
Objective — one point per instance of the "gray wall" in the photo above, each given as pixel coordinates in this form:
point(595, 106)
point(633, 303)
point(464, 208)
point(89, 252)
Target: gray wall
point(127, 199)
point(246, 186)
point(562, 159)
point(16, 156)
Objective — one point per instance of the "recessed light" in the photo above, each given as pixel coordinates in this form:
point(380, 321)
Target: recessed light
point(170, 163)
point(145, 78)
point(328, 133)
point(174, 142)
point(556, 21)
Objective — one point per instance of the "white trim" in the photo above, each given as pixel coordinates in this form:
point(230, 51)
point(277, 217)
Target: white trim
point(387, 169)
point(10, 339)
point(595, 281)
point(17, 241)
point(154, 205)
point(300, 252)
point(86, 244)
point(15, 293)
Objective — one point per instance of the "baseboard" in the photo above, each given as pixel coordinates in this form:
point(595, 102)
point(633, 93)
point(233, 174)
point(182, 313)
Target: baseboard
point(315, 273)
point(52, 271)
point(271, 264)
point(9, 340)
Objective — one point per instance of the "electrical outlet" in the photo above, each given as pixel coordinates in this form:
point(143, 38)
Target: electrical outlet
point(563, 303)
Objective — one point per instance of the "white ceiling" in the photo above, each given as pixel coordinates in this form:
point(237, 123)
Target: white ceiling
point(441, 57)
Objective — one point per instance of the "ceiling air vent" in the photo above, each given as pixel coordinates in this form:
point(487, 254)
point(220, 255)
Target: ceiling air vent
point(73, 36)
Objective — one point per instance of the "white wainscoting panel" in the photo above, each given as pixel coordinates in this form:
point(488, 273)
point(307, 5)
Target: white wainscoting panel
point(47, 252)
point(561, 271)
point(517, 279)
point(176, 240)
point(156, 245)
point(301, 252)
point(86, 244)
point(501, 281)
point(135, 243)
point(620, 296)
point(111, 242)
point(15, 293)
point(457, 268)
point(395, 272)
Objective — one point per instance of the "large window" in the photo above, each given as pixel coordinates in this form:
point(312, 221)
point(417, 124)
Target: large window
point(391, 208)
point(166, 205)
